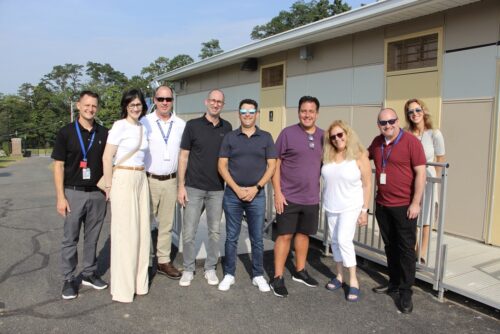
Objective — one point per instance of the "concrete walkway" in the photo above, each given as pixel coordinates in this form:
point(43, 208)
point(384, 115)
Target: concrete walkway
point(30, 286)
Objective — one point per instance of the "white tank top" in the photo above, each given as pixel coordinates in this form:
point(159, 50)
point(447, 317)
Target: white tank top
point(342, 186)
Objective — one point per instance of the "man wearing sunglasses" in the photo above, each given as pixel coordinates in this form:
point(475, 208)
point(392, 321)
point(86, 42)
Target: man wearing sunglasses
point(200, 186)
point(164, 136)
point(400, 175)
point(247, 159)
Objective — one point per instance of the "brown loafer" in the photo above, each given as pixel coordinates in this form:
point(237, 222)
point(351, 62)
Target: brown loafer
point(169, 270)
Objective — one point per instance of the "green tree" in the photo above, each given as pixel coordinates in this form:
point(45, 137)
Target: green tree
point(103, 75)
point(179, 61)
point(210, 49)
point(300, 13)
point(159, 66)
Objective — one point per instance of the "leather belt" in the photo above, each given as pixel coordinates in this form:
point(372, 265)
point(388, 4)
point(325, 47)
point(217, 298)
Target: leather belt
point(86, 189)
point(138, 168)
point(162, 177)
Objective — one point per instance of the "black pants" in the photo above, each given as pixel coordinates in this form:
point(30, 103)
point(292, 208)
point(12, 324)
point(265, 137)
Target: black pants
point(399, 234)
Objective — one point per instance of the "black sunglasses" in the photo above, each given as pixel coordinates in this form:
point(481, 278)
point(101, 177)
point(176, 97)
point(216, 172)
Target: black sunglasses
point(337, 135)
point(163, 99)
point(413, 111)
point(390, 121)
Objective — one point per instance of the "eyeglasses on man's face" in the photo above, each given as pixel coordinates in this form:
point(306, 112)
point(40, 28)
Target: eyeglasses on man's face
point(214, 101)
point(247, 111)
point(384, 122)
point(163, 99)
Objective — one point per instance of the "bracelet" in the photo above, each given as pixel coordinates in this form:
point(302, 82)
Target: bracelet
point(364, 210)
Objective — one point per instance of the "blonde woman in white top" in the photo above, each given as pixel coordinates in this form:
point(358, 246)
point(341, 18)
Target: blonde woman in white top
point(127, 188)
point(346, 174)
point(418, 121)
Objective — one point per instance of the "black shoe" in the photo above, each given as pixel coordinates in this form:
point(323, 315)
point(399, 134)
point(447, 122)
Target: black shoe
point(385, 289)
point(69, 290)
point(406, 304)
point(278, 287)
point(94, 281)
point(303, 277)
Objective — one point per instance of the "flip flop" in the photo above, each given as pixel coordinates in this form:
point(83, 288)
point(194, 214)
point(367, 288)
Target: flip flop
point(353, 292)
point(334, 284)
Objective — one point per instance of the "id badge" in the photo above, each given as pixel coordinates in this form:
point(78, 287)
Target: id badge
point(86, 173)
point(166, 155)
point(383, 179)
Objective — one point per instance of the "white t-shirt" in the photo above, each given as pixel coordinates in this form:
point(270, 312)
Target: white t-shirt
point(433, 143)
point(126, 135)
point(342, 186)
point(161, 158)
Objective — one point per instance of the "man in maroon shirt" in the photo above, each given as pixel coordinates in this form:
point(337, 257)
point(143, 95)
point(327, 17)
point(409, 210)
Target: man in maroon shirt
point(400, 174)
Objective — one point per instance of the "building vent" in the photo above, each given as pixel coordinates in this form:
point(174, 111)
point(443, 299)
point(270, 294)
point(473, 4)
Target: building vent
point(249, 65)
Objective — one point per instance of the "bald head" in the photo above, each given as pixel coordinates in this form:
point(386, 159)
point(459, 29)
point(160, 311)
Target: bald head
point(387, 113)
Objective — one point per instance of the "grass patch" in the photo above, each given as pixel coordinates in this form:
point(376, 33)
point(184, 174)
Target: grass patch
point(6, 161)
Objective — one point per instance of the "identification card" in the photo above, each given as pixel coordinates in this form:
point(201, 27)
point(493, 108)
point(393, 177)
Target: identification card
point(86, 173)
point(83, 164)
point(166, 155)
point(383, 179)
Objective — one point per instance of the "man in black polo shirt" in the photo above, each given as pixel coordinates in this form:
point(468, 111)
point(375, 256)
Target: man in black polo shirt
point(200, 186)
point(247, 160)
point(77, 158)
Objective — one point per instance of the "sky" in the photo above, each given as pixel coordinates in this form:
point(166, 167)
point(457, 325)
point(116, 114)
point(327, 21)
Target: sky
point(36, 35)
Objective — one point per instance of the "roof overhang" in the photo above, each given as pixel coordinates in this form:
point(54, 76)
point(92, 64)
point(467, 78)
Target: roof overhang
point(368, 17)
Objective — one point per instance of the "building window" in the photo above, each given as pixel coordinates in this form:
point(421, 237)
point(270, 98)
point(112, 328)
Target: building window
point(272, 76)
point(413, 53)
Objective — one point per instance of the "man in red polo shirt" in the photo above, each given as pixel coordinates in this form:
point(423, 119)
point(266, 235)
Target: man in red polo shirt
point(400, 174)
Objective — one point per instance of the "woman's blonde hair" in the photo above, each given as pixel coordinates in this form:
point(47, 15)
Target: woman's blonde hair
point(427, 117)
point(354, 148)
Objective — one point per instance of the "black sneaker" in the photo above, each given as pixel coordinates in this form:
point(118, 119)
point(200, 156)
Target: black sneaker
point(278, 287)
point(69, 290)
point(303, 277)
point(94, 281)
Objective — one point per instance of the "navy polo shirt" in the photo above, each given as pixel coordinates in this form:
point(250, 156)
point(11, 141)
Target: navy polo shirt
point(202, 139)
point(67, 148)
point(247, 156)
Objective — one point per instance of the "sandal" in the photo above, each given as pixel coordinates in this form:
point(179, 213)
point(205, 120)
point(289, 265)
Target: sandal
point(353, 292)
point(334, 284)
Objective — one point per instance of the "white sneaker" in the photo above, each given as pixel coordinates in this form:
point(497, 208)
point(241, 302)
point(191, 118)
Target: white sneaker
point(211, 277)
point(226, 282)
point(187, 277)
point(261, 282)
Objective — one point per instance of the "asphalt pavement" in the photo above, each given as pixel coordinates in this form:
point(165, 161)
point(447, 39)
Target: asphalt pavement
point(30, 287)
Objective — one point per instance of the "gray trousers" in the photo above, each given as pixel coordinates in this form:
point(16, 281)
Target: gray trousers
point(198, 201)
point(88, 208)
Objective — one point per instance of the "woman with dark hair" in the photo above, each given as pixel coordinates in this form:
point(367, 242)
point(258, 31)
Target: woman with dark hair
point(127, 188)
point(418, 122)
point(346, 173)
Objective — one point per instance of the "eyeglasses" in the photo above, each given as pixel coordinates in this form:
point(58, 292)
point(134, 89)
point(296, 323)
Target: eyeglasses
point(390, 121)
point(163, 99)
point(413, 111)
point(247, 112)
point(214, 101)
point(135, 106)
point(336, 135)
point(311, 141)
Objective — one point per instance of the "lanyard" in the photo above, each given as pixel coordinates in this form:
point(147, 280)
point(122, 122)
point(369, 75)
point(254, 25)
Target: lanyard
point(389, 151)
point(84, 152)
point(165, 138)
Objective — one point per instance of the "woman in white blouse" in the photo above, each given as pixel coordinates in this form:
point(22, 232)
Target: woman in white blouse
point(127, 189)
point(418, 121)
point(346, 174)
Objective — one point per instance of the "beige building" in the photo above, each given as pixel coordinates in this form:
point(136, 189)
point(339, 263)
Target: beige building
point(446, 52)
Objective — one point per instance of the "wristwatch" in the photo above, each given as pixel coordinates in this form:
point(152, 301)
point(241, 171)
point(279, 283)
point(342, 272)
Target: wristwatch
point(259, 187)
point(364, 210)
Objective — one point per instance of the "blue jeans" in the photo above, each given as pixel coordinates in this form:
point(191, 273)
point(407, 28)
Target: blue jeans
point(200, 200)
point(255, 213)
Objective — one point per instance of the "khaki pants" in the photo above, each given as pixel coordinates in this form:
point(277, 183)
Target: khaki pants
point(163, 197)
point(130, 234)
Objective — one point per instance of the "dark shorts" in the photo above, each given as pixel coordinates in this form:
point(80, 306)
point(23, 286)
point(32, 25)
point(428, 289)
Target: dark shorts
point(298, 218)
